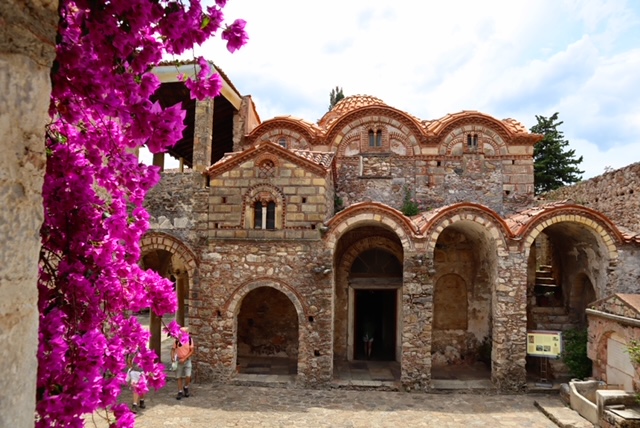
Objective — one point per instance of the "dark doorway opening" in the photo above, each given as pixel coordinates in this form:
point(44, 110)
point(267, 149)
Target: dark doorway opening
point(375, 310)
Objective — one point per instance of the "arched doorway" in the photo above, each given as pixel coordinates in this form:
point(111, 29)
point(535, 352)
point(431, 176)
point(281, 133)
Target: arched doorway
point(465, 264)
point(368, 292)
point(267, 333)
point(566, 271)
point(173, 260)
point(375, 279)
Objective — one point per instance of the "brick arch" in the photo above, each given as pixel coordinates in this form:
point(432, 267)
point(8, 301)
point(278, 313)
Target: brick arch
point(494, 225)
point(348, 139)
point(253, 194)
point(371, 213)
point(285, 126)
point(153, 241)
point(473, 120)
point(369, 243)
point(383, 115)
point(232, 306)
point(458, 135)
point(599, 224)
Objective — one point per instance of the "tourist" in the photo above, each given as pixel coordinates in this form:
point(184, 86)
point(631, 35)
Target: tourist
point(181, 352)
point(134, 376)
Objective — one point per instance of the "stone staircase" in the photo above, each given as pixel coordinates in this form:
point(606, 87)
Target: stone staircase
point(547, 292)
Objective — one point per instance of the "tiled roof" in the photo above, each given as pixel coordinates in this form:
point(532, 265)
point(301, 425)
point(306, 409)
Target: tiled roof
point(515, 126)
point(347, 105)
point(321, 158)
point(436, 126)
point(353, 102)
point(516, 221)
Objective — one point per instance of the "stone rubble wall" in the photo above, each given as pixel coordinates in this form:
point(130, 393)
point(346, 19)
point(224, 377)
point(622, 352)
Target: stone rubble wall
point(229, 270)
point(27, 50)
point(615, 194)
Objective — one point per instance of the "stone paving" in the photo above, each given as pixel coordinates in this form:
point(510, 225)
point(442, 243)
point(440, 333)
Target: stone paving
point(242, 406)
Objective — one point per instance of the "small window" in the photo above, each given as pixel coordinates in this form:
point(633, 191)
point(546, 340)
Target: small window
point(472, 141)
point(282, 141)
point(257, 215)
point(271, 216)
point(264, 215)
point(375, 138)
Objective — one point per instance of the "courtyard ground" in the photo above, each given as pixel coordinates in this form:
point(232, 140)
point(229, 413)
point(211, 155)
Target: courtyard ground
point(250, 406)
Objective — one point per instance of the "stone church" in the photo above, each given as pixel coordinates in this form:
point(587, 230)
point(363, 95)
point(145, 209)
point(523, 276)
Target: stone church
point(287, 239)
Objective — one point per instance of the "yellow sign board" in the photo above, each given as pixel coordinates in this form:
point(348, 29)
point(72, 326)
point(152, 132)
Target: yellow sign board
point(544, 343)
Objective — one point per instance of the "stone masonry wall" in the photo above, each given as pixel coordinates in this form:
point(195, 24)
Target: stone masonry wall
point(230, 269)
point(302, 200)
point(173, 205)
point(27, 35)
point(616, 194)
point(493, 183)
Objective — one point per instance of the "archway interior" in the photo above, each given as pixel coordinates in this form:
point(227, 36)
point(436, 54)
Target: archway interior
point(375, 272)
point(168, 266)
point(368, 284)
point(567, 262)
point(466, 265)
point(267, 333)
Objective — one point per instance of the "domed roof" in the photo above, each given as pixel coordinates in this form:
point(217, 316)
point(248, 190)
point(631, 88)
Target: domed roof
point(347, 105)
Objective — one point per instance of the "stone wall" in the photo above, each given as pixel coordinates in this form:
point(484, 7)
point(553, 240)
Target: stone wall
point(173, 205)
point(302, 201)
point(615, 194)
point(27, 34)
point(230, 270)
point(383, 177)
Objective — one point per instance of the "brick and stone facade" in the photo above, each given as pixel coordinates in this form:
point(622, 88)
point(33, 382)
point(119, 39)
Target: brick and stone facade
point(299, 240)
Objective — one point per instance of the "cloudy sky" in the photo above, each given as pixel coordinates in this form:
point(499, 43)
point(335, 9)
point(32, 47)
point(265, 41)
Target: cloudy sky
point(506, 58)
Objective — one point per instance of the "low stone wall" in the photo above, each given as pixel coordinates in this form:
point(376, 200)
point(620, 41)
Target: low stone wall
point(616, 194)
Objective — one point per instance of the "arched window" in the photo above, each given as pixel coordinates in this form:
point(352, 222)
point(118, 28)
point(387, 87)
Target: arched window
point(264, 215)
point(375, 138)
point(472, 141)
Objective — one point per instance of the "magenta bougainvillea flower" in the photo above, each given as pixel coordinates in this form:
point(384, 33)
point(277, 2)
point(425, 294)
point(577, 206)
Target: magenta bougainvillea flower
point(90, 281)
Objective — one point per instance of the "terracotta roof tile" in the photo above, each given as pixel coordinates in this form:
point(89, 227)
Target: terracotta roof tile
point(347, 105)
point(519, 219)
point(321, 158)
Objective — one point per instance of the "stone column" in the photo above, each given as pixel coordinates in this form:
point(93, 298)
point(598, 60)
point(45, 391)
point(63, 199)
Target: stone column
point(510, 323)
point(182, 294)
point(202, 136)
point(27, 51)
point(158, 160)
point(417, 306)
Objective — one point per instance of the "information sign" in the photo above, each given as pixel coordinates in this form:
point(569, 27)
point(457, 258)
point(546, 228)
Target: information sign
point(544, 343)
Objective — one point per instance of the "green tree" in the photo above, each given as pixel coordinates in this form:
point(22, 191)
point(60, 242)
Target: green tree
point(335, 96)
point(554, 164)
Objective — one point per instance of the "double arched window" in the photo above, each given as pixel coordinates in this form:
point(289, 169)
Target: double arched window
point(264, 215)
point(375, 138)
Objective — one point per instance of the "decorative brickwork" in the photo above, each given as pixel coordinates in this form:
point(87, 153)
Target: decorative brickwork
point(299, 249)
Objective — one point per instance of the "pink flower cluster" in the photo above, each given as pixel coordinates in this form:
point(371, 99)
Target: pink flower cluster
point(90, 282)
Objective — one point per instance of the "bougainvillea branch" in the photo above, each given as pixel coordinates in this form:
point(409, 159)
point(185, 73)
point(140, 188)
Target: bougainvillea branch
point(90, 282)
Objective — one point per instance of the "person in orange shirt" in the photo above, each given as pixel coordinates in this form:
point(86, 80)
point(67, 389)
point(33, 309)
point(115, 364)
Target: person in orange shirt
point(182, 352)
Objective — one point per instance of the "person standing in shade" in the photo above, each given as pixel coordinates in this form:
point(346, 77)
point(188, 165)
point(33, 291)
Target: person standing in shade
point(368, 330)
point(181, 352)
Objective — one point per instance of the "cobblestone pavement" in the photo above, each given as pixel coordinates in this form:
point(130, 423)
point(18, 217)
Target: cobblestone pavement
point(244, 406)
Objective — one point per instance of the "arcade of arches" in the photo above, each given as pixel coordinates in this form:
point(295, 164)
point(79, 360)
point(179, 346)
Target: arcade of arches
point(335, 272)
